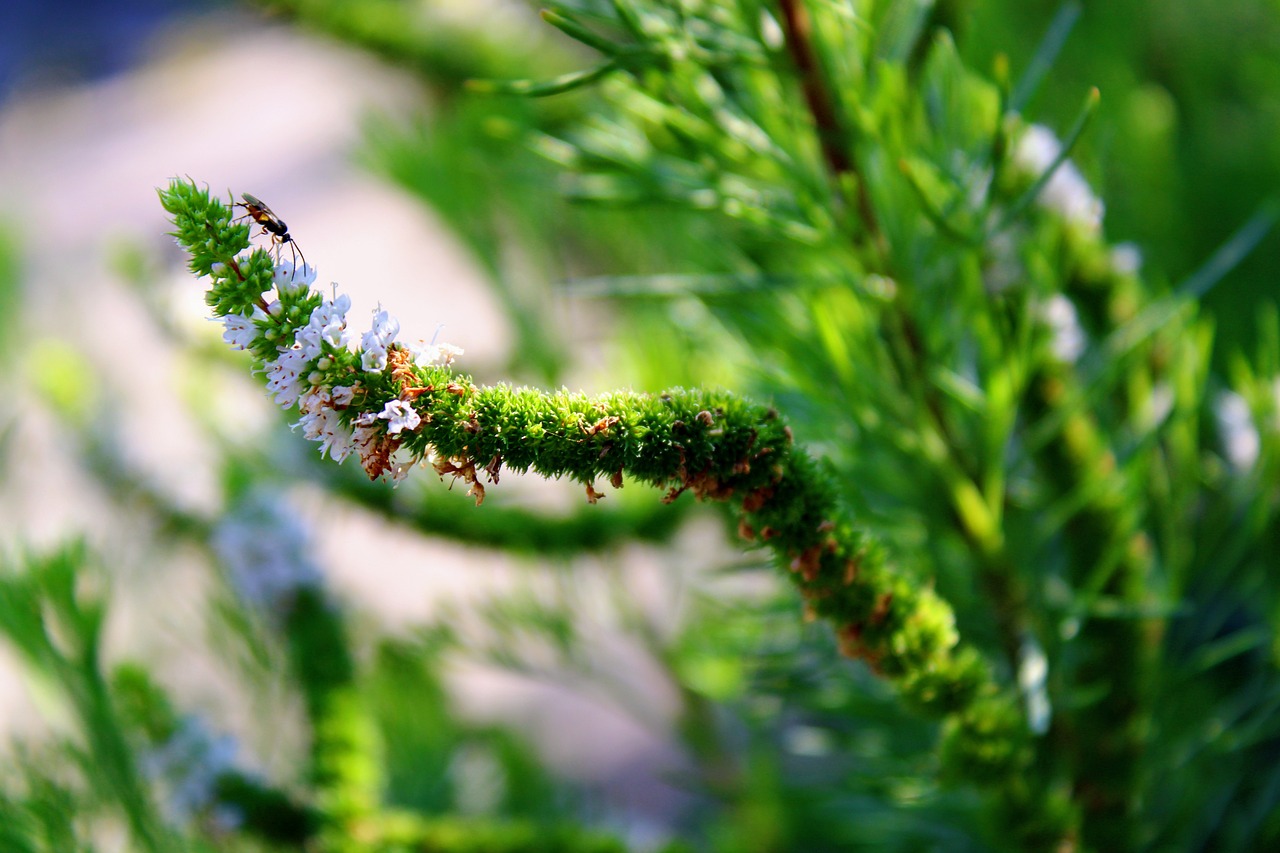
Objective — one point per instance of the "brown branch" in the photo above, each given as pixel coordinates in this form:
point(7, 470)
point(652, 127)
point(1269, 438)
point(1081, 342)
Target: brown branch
point(831, 136)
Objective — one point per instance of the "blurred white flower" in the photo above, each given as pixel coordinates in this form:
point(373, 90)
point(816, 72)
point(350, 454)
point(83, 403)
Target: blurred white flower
point(1068, 341)
point(1240, 441)
point(1033, 679)
point(1126, 259)
point(427, 355)
point(1066, 192)
point(186, 768)
point(265, 548)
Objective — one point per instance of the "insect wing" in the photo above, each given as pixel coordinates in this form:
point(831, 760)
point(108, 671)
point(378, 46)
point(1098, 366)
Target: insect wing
point(257, 208)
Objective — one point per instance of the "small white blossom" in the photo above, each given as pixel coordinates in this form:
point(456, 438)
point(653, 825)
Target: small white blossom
point(336, 439)
point(427, 355)
point(374, 359)
point(365, 434)
point(328, 324)
point(304, 361)
point(322, 422)
point(1240, 440)
point(1126, 259)
point(1067, 192)
point(314, 399)
point(290, 279)
point(376, 340)
point(385, 327)
point(1159, 403)
point(242, 332)
point(374, 447)
point(1068, 339)
point(285, 377)
point(1033, 678)
point(343, 395)
point(399, 415)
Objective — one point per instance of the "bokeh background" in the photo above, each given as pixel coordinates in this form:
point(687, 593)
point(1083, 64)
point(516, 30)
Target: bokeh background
point(404, 188)
point(108, 415)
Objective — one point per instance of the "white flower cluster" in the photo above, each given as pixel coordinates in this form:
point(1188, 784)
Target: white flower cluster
point(376, 340)
point(1067, 192)
point(1241, 432)
point(295, 376)
point(1067, 338)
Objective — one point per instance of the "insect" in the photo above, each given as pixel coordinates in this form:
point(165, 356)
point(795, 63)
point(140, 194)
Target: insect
point(272, 225)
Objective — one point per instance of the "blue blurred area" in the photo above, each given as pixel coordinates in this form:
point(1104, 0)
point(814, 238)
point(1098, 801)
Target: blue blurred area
point(67, 41)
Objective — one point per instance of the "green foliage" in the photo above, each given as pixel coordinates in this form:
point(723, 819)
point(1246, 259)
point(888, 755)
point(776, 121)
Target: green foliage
point(1012, 469)
point(52, 614)
point(1184, 142)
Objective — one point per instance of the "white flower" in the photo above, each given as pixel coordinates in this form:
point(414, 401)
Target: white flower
point(399, 415)
point(1160, 402)
point(1068, 340)
point(242, 332)
point(376, 340)
point(336, 438)
point(1126, 259)
point(429, 354)
point(1033, 677)
point(285, 377)
point(314, 399)
point(1240, 439)
point(290, 279)
point(343, 395)
point(1067, 192)
point(374, 359)
point(365, 435)
point(322, 422)
point(328, 324)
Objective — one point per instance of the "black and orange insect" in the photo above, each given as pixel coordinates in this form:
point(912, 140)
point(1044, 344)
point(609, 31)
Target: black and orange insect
point(272, 226)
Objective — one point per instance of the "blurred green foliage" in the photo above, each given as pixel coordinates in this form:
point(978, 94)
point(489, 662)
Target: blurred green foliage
point(1184, 147)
